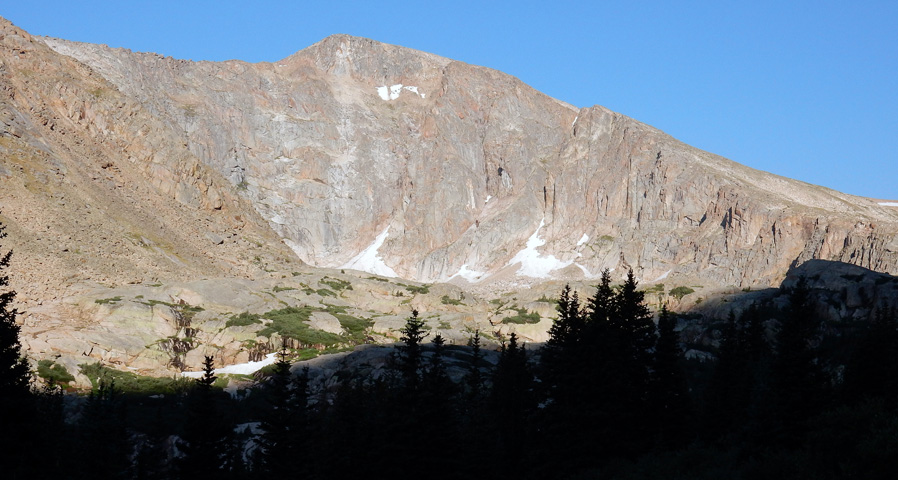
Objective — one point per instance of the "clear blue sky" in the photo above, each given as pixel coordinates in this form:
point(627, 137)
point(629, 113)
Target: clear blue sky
point(808, 90)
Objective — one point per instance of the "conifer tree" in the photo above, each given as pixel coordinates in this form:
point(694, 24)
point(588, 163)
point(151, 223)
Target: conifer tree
point(872, 371)
point(564, 358)
point(205, 433)
point(16, 399)
point(410, 363)
point(671, 401)
point(474, 377)
point(275, 443)
point(512, 400)
point(103, 445)
point(797, 377)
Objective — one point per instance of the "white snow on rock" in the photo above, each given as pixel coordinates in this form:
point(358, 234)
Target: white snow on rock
point(369, 260)
point(472, 276)
point(586, 272)
point(663, 276)
point(392, 92)
point(532, 263)
point(247, 368)
point(889, 204)
point(583, 239)
point(488, 197)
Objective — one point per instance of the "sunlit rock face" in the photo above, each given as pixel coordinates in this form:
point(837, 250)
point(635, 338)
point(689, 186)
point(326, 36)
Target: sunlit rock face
point(376, 157)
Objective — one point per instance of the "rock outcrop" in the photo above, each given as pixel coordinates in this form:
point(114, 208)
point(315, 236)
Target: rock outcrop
point(443, 170)
point(135, 186)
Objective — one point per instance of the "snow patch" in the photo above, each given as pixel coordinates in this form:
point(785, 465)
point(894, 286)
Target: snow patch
point(586, 272)
point(488, 197)
point(369, 260)
point(532, 263)
point(472, 276)
point(392, 92)
point(247, 368)
point(663, 276)
point(889, 204)
point(575, 120)
point(583, 239)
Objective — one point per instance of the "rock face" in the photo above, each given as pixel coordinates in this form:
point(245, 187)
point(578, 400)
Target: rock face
point(95, 188)
point(444, 170)
point(150, 179)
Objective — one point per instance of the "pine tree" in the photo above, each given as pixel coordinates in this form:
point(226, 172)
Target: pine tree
point(797, 378)
point(103, 444)
point(512, 401)
point(16, 400)
point(872, 371)
point(275, 442)
point(205, 433)
point(474, 377)
point(563, 360)
point(671, 401)
point(15, 376)
point(410, 363)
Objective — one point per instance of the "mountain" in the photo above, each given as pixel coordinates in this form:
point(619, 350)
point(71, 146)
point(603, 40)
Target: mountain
point(442, 169)
point(249, 187)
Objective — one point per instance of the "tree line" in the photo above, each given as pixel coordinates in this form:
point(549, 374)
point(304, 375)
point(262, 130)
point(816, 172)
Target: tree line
point(610, 395)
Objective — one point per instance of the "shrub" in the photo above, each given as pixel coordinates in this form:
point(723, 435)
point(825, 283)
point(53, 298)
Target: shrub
point(289, 322)
point(105, 301)
point(522, 317)
point(680, 292)
point(53, 372)
point(128, 382)
point(336, 283)
point(423, 289)
point(243, 320)
point(446, 300)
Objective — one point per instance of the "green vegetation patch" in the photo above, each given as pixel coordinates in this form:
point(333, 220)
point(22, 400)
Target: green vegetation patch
point(182, 307)
point(131, 383)
point(522, 317)
point(278, 288)
point(54, 373)
point(680, 292)
point(446, 300)
point(336, 283)
point(108, 301)
point(242, 320)
point(423, 289)
point(289, 322)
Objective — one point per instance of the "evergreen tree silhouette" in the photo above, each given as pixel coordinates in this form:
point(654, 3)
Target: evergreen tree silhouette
point(205, 433)
point(16, 400)
point(410, 358)
point(103, 445)
point(797, 379)
point(670, 399)
point(284, 420)
point(872, 372)
point(513, 403)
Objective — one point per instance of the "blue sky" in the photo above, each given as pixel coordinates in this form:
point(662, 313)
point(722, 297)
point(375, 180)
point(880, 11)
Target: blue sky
point(808, 90)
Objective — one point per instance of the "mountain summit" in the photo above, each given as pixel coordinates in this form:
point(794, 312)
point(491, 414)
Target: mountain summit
point(125, 168)
point(381, 158)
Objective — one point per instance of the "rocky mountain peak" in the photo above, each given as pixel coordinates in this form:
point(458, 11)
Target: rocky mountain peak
point(367, 155)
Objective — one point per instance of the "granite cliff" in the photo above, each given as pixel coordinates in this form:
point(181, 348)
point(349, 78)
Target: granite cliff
point(444, 170)
point(152, 179)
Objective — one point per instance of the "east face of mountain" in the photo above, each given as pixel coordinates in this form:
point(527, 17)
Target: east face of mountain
point(164, 183)
point(445, 170)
